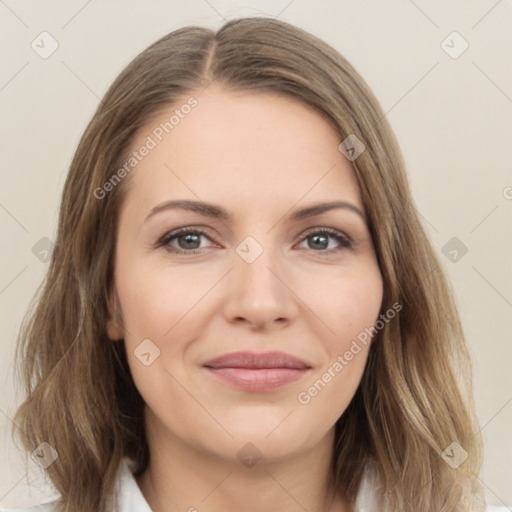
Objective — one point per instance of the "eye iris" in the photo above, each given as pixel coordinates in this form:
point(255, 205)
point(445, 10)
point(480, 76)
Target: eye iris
point(323, 241)
point(189, 238)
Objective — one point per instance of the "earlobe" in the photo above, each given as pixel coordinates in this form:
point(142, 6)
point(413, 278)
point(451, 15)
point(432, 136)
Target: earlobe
point(115, 329)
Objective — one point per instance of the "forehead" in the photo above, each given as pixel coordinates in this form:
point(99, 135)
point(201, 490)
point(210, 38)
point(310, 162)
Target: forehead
point(240, 145)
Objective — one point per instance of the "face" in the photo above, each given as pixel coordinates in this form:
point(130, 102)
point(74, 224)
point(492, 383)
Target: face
point(192, 286)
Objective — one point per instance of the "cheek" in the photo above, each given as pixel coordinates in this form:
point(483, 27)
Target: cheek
point(154, 300)
point(349, 303)
point(155, 303)
point(350, 309)
point(163, 305)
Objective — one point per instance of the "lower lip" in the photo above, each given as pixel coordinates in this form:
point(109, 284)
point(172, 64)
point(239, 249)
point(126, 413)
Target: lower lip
point(263, 379)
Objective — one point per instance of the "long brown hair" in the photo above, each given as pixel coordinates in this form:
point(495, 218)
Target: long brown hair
point(415, 397)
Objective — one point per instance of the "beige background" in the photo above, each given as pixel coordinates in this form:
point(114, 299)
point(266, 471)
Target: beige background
point(452, 116)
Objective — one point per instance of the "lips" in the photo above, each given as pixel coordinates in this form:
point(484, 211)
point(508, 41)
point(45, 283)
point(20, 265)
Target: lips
point(254, 360)
point(255, 372)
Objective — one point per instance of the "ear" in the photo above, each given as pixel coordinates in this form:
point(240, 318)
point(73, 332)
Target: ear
point(115, 329)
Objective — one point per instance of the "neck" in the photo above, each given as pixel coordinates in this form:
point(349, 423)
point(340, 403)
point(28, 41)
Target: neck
point(181, 477)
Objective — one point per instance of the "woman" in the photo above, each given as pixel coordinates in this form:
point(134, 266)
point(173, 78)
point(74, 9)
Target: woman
point(303, 353)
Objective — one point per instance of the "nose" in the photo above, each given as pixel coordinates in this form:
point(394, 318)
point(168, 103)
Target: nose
point(259, 292)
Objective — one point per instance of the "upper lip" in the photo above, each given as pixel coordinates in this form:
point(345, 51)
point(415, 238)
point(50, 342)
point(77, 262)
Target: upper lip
point(257, 360)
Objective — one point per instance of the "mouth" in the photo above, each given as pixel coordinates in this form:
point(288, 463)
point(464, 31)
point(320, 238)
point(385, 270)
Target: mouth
point(255, 372)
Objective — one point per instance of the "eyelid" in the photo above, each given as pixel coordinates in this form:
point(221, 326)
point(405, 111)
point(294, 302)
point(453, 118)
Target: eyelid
point(204, 231)
point(329, 230)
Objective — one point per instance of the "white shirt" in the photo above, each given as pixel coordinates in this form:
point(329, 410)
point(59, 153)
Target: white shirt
point(131, 498)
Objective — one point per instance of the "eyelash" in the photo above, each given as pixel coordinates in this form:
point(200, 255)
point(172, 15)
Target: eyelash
point(341, 238)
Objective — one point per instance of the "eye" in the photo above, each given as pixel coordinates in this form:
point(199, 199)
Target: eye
point(188, 241)
point(320, 240)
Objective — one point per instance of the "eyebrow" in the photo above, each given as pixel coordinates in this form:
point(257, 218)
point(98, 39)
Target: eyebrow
point(218, 212)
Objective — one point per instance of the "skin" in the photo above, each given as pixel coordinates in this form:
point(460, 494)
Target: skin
point(261, 157)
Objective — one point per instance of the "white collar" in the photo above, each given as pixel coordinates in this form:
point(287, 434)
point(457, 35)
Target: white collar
point(130, 497)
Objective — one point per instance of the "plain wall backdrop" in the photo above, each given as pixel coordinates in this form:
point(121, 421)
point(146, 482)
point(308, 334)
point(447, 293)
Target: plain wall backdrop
point(450, 107)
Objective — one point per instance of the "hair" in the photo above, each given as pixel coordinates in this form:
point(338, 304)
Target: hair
point(415, 397)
